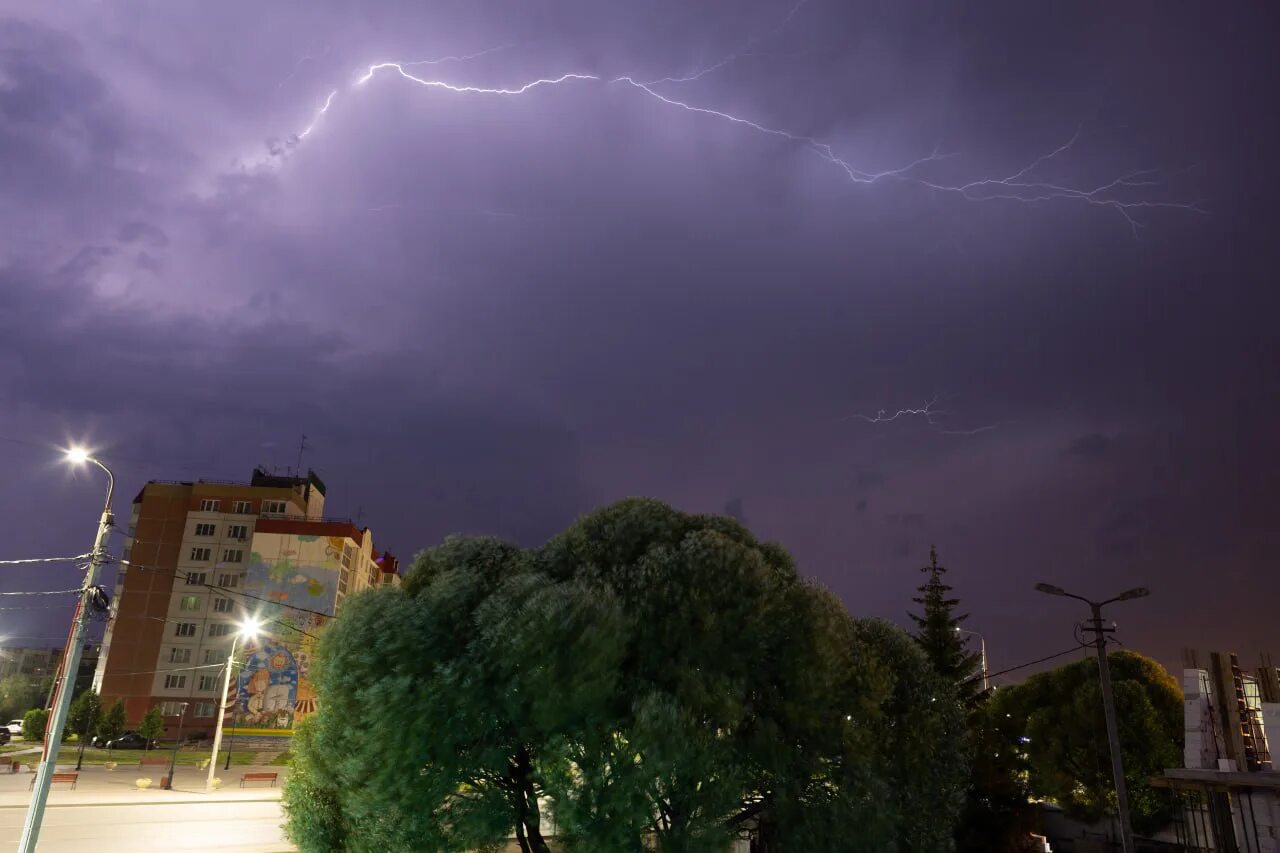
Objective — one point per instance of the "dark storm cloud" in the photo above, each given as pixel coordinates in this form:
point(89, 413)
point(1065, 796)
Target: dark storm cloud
point(489, 313)
point(1093, 446)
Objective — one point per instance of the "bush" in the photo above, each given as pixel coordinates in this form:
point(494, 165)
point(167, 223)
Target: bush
point(34, 722)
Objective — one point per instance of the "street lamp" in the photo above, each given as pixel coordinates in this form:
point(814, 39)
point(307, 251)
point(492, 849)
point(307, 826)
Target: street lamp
point(982, 641)
point(70, 660)
point(248, 632)
point(1108, 699)
point(177, 745)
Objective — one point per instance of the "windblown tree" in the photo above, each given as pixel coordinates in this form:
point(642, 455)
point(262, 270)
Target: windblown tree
point(1053, 723)
point(648, 678)
point(938, 633)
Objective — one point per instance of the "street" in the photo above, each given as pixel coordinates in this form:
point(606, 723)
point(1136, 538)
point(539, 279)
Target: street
point(219, 825)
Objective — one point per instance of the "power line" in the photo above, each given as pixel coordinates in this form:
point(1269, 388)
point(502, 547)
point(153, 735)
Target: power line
point(45, 592)
point(45, 560)
point(1022, 665)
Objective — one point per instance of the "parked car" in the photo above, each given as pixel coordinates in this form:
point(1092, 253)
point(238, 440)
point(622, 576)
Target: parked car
point(14, 727)
point(131, 740)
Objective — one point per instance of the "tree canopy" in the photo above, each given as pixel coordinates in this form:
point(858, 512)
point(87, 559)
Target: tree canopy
point(1052, 728)
point(647, 677)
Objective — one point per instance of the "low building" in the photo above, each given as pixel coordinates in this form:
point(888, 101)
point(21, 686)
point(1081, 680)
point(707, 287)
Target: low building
point(1229, 790)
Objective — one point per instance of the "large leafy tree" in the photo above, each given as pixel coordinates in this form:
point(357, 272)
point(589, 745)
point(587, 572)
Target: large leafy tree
point(939, 635)
point(1053, 724)
point(647, 678)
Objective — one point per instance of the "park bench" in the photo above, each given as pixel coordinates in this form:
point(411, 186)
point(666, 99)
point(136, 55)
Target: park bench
point(60, 777)
point(259, 777)
point(153, 761)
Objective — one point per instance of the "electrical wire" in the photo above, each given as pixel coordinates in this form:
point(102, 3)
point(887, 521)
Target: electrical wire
point(45, 560)
point(1020, 666)
point(45, 592)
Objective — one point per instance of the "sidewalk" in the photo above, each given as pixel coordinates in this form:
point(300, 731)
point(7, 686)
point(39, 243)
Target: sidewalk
point(98, 786)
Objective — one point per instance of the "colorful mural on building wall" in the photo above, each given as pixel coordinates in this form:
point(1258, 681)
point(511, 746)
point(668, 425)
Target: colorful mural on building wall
point(275, 689)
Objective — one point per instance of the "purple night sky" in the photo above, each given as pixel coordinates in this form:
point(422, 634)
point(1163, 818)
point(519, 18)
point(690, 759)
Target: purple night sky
point(490, 313)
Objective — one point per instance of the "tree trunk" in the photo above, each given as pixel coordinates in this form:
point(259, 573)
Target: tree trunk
point(524, 844)
point(529, 818)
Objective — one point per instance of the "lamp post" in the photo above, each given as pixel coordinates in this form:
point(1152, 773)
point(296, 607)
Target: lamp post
point(173, 760)
point(70, 661)
point(982, 644)
point(248, 632)
point(1108, 698)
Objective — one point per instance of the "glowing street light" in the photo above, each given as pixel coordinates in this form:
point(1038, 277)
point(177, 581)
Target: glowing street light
point(64, 685)
point(248, 632)
point(982, 641)
point(1108, 699)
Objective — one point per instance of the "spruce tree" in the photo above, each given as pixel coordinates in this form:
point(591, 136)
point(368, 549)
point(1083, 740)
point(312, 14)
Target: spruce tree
point(938, 634)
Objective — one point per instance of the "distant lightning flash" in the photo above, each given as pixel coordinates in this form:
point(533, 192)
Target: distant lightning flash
point(927, 411)
point(1019, 186)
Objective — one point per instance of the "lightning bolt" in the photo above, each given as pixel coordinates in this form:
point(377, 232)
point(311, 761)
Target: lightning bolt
point(464, 58)
point(328, 102)
point(1020, 186)
point(927, 411)
point(743, 50)
point(298, 66)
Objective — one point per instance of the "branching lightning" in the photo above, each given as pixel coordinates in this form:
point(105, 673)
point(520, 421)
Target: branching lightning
point(927, 411)
point(734, 56)
point(328, 102)
point(1021, 186)
point(297, 66)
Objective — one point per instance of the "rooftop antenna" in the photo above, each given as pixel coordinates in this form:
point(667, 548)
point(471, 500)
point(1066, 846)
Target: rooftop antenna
point(360, 516)
point(302, 445)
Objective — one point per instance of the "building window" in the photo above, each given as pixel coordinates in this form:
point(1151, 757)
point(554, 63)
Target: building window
point(241, 508)
point(208, 505)
point(273, 507)
point(238, 531)
point(189, 602)
point(172, 709)
point(204, 709)
point(201, 555)
point(223, 605)
point(208, 682)
point(197, 578)
point(219, 629)
point(173, 682)
point(214, 656)
point(232, 555)
point(206, 529)
point(177, 655)
point(229, 580)
point(184, 629)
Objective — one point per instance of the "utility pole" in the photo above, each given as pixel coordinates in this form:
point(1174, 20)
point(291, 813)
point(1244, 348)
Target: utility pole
point(70, 664)
point(1095, 625)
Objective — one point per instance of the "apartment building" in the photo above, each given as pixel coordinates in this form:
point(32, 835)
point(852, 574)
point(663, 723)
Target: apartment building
point(203, 557)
